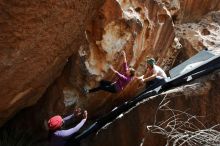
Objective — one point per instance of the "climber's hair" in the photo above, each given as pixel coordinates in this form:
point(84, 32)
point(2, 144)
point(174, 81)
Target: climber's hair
point(132, 71)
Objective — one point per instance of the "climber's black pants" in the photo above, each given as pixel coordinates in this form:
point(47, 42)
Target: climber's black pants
point(106, 86)
point(154, 84)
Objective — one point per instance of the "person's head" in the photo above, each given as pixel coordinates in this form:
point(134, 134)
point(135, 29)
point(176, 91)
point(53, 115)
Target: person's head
point(151, 62)
point(130, 72)
point(55, 123)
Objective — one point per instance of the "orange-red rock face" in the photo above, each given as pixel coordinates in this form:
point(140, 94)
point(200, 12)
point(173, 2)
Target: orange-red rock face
point(37, 38)
point(137, 28)
point(198, 36)
point(50, 50)
point(196, 29)
point(186, 11)
point(115, 27)
point(192, 10)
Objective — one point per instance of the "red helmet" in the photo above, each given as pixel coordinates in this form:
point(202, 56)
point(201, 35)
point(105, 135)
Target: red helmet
point(55, 122)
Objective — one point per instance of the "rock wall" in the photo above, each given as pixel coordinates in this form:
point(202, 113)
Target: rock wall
point(52, 50)
point(196, 27)
point(122, 25)
point(44, 46)
point(197, 36)
point(186, 11)
point(192, 10)
point(37, 38)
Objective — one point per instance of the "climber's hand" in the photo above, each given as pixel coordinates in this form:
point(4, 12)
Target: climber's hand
point(85, 114)
point(77, 112)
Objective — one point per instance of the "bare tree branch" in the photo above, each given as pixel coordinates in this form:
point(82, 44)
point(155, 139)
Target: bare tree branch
point(183, 129)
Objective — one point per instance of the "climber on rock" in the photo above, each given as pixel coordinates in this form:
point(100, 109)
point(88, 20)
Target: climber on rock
point(155, 75)
point(122, 81)
point(57, 135)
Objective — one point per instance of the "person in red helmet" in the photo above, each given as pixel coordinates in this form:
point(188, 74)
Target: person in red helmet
point(57, 135)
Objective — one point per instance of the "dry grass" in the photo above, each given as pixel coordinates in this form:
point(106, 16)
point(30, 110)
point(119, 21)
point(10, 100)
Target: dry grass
point(184, 129)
